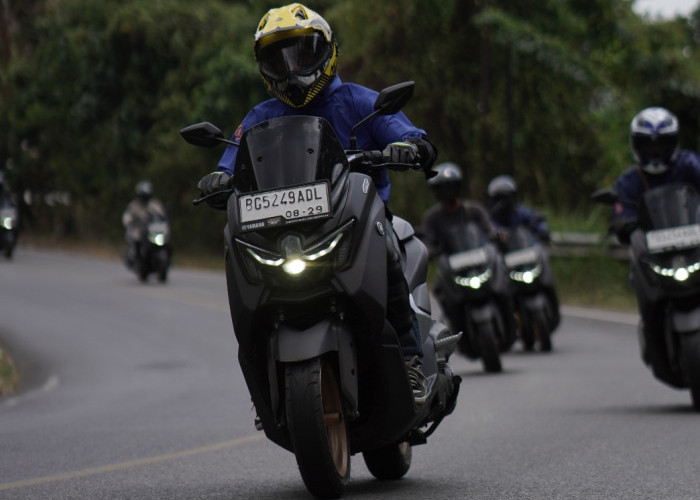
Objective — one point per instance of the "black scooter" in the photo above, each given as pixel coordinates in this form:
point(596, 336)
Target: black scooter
point(153, 254)
point(473, 289)
point(9, 229)
point(306, 274)
point(665, 258)
point(534, 292)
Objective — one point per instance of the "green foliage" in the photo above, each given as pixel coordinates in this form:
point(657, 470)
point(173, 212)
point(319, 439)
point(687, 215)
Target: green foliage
point(94, 93)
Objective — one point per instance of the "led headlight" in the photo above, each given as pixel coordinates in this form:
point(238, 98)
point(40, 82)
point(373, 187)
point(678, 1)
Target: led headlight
point(8, 223)
point(294, 259)
point(527, 276)
point(474, 281)
point(681, 273)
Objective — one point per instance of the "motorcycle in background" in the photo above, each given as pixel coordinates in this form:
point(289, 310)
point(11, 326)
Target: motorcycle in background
point(473, 289)
point(152, 254)
point(9, 229)
point(534, 293)
point(665, 260)
point(306, 274)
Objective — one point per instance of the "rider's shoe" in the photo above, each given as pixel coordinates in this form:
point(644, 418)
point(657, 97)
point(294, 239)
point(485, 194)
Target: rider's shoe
point(417, 380)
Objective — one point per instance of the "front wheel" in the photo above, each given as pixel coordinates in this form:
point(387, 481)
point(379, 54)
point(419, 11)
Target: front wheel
point(691, 360)
point(317, 427)
point(488, 347)
point(390, 462)
point(541, 323)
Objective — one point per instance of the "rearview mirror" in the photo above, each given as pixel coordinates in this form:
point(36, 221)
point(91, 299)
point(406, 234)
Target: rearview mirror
point(392, 99)
point(605, 195)
point(204, 135)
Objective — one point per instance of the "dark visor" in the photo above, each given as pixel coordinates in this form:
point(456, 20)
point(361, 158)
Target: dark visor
point(300, 55)
point(661, 146)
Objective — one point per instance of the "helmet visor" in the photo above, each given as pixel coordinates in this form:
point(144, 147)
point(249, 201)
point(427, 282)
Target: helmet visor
point(658, 148)
point(300, 55)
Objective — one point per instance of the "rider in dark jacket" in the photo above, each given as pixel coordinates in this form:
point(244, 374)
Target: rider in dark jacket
point(659, 161)
point(654, 145)
point(508, 214)
point(297, 56)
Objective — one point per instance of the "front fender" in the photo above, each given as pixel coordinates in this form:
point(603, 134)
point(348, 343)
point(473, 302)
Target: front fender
point(686, 321)
point(290, 345)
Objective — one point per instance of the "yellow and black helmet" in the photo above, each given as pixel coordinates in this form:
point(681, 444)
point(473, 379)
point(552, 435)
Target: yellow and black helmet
point(296, 53)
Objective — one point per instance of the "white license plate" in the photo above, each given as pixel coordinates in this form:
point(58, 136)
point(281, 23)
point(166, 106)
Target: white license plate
point(469, 258)
point(674, 237)
point(521, 257)
point(284, 206)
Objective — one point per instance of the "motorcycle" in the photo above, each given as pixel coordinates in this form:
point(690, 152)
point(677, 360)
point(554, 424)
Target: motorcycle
point(665, 259)
point(306, 275)
point(473, 290)
point(535, 297)
point(8, 229)
point(152, 255)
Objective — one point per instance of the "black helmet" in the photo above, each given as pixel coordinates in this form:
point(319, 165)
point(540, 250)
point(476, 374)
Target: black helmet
point(447, 183)
point(654, 139)
point(501, 191)
point(144, 190)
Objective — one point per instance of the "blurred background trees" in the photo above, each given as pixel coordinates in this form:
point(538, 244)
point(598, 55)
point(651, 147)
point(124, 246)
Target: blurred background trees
point(93, 94)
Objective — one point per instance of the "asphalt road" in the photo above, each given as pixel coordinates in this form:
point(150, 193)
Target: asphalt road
point(134, 393)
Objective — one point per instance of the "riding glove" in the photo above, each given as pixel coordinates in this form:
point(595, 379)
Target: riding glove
point(401, 152)
point(210, 184)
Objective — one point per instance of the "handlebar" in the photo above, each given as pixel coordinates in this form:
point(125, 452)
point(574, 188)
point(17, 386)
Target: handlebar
point(375, 160)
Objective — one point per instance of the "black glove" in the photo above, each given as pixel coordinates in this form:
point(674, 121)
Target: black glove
point(213, 182)
point(402, 152)
point(216, 181)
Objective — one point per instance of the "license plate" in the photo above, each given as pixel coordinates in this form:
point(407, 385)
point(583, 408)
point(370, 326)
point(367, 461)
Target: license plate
point(674, 237)
point(466, 259)
point(284, 206)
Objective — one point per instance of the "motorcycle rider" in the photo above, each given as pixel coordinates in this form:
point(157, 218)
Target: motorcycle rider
point(507, 213)
point(136, 216)
point(5, 196)
point(659, 160)
point(452, 211)
point(297, 56)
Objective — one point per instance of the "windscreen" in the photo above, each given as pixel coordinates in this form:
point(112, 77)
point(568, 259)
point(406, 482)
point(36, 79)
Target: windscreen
point(288, 151)
point(669, 206)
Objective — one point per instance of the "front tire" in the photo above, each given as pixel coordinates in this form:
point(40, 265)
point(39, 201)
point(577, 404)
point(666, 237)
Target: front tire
point(390, 462)
point(691, 360)
point(488, 347)
point(317, 427)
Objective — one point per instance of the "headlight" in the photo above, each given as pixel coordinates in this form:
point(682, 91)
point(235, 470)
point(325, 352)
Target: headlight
point(474, 281)
point(8, 223)
point(526, 276)
point(680, 273)
point(294, 260)
point(157, 239)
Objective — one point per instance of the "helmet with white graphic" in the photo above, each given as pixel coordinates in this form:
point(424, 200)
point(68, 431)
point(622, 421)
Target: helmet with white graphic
point(654, 139)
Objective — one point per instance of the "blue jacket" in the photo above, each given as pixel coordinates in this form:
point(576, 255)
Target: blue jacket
point(630, 186)
point(342, 105)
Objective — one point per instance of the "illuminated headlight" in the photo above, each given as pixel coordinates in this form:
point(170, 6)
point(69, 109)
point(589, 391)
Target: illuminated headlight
point(8, 223)
point(527, 276)
point(158, 239)
point(295, 263)
point(680, 274)
point(473, 282)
